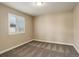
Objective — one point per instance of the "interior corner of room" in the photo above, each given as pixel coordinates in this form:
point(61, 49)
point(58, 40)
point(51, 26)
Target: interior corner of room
point(59, 28)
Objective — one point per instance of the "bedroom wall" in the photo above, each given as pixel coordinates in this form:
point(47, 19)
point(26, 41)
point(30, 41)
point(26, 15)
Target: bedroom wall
point(54, 28)
point(76, 27)
point(7, 41)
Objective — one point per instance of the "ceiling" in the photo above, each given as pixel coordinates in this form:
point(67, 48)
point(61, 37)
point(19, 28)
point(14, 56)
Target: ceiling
point(48, 7)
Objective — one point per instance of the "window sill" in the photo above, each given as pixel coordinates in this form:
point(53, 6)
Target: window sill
point(16, 33)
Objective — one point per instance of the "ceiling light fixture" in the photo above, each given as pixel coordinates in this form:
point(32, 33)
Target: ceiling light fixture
point(38, 3)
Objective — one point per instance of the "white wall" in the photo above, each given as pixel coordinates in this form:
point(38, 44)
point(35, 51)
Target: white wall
point(7, 41)
point(54, 28)
point(76, 27)
point(59, 28)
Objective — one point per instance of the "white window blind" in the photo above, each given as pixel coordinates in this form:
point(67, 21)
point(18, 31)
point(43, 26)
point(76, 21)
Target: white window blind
point(16, 24)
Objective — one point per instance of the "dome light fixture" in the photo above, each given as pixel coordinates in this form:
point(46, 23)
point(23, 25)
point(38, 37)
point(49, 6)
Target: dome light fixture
point(38, 3)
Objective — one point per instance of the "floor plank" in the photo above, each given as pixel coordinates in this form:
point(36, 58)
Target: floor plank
point(42, 49)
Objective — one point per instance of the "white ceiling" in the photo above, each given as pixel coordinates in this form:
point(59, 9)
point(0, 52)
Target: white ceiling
point(48, 7)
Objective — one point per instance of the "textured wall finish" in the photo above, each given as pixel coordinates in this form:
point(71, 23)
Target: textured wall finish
point(54, 27)
point(76, 26)
point(6, 40)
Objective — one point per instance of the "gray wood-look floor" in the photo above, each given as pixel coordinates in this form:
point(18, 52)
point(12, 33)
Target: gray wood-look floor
point(42, 49)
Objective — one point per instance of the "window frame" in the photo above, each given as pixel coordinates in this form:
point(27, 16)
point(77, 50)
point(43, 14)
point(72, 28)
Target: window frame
point(17, 16)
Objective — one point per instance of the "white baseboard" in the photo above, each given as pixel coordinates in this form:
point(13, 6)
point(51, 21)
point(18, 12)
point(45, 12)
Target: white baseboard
point(1, 52)
point(76, 47)
point(53, 42)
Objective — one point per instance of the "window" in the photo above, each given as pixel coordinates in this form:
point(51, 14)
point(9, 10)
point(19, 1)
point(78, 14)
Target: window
point(16, 24)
